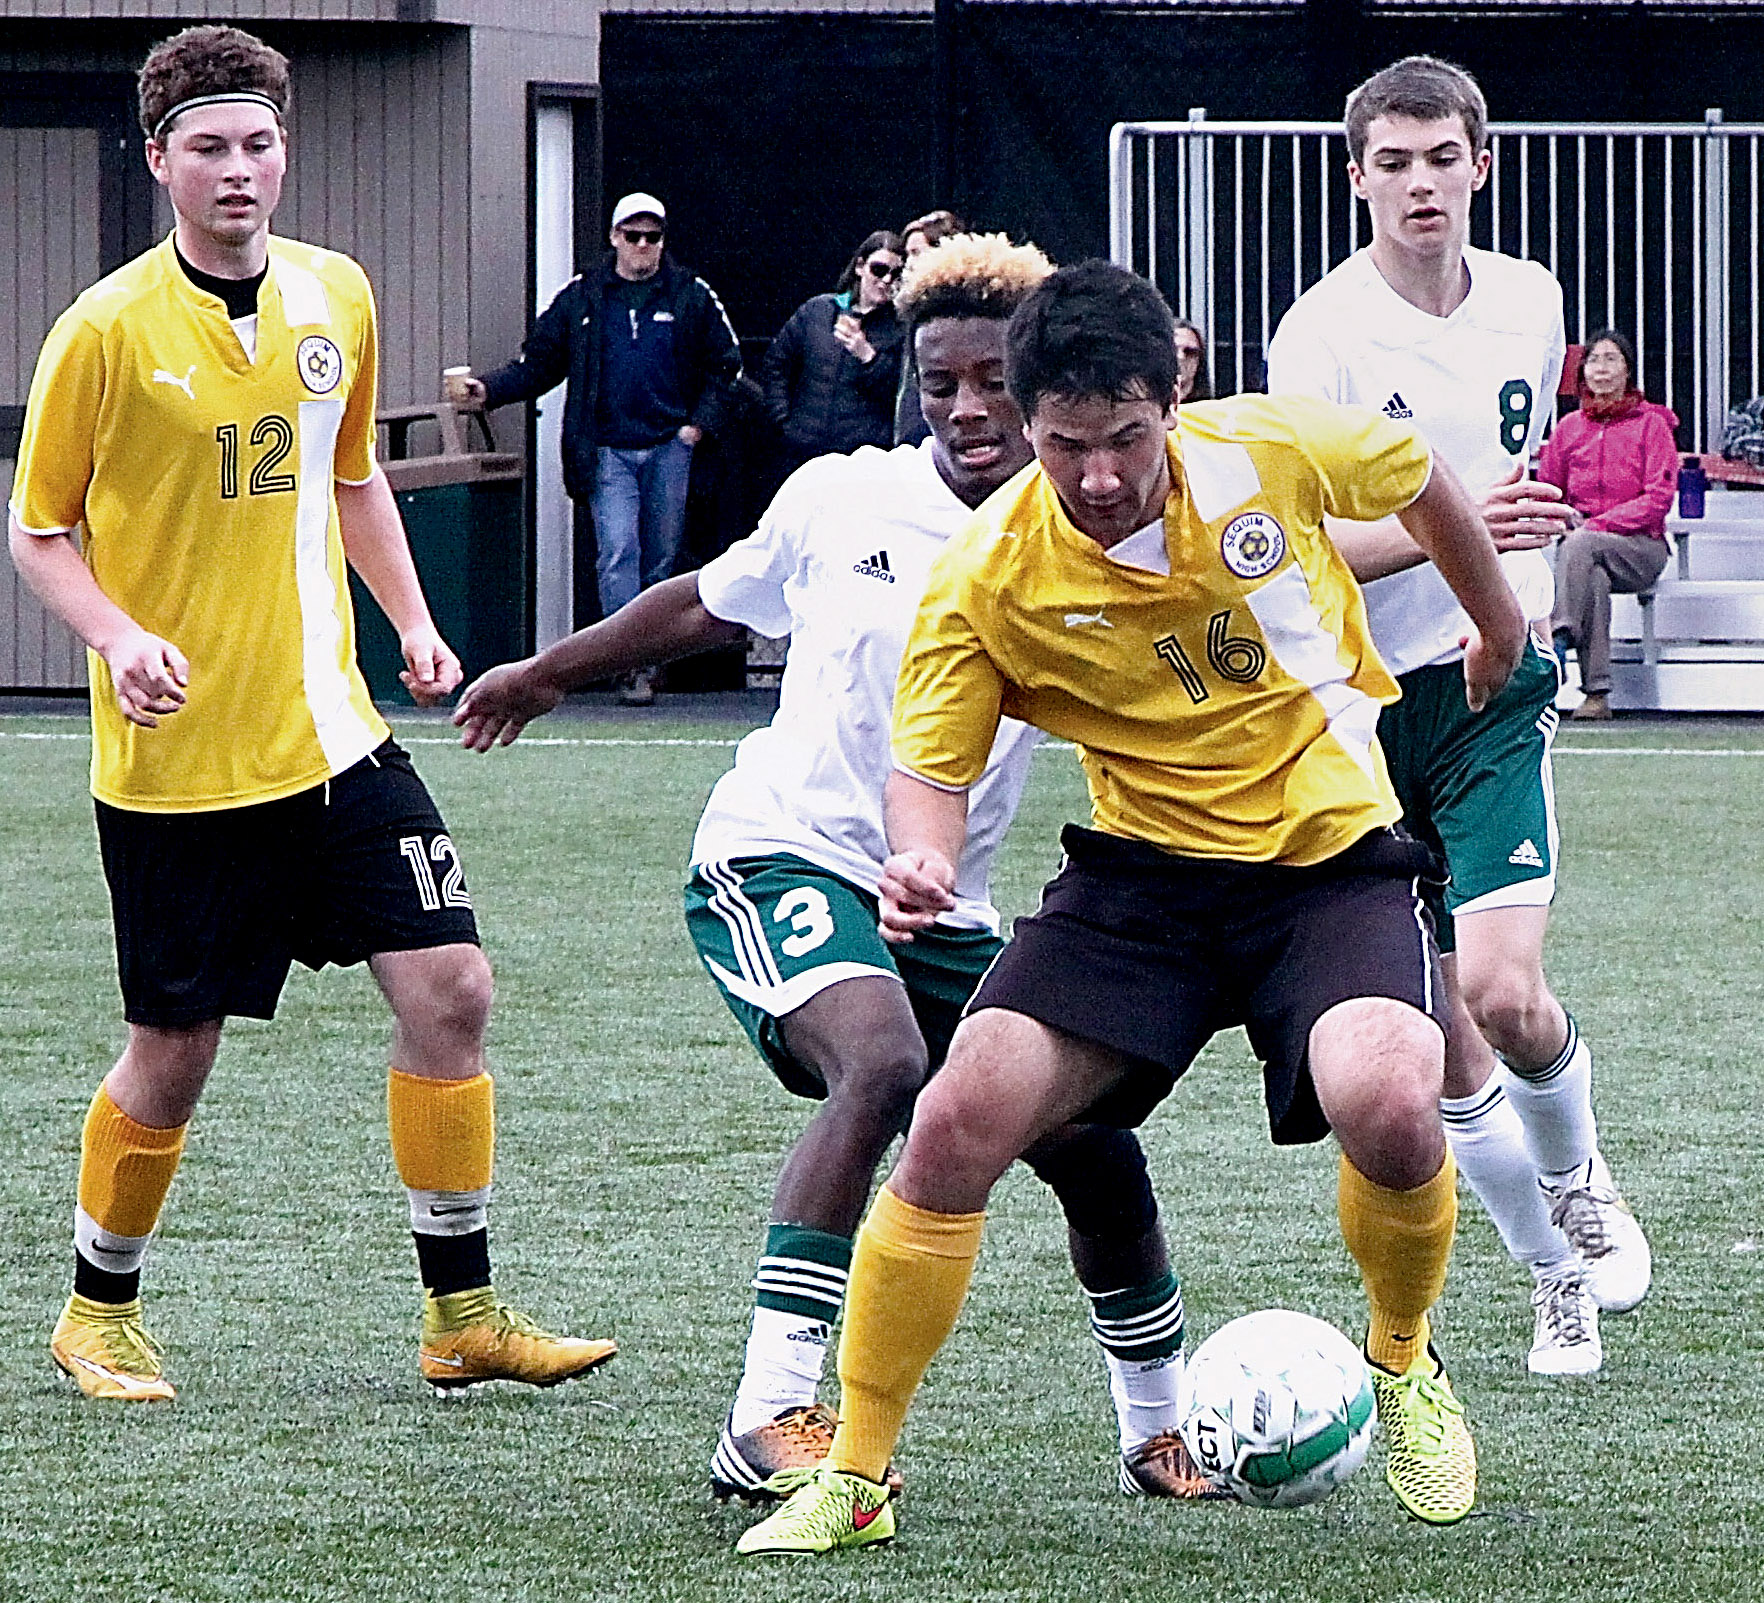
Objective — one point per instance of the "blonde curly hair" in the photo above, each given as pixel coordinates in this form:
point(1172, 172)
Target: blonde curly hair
point(969, 275)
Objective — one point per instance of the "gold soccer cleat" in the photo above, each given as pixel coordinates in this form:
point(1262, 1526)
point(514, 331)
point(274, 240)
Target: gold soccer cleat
point(106, 1350)
point(469, 1336)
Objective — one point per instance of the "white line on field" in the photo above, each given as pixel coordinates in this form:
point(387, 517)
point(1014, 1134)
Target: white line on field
point(1052, 745)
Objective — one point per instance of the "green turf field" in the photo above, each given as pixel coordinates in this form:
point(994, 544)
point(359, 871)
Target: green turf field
point(639, 1136)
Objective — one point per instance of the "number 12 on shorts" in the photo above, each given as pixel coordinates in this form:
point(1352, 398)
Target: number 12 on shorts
point(452, 890)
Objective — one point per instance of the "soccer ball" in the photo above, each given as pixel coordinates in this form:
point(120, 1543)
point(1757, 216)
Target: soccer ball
point(1279, 1407)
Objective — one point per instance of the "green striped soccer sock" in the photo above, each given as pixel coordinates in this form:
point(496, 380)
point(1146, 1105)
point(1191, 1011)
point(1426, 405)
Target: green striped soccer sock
point(1140, 1332)
point(799, 1288)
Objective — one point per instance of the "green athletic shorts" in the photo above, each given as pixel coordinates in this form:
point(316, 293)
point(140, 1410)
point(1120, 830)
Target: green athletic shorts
point(1477, 787)
point(775, 931)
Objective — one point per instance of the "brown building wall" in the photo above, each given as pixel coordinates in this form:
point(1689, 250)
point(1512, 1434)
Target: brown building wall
point(408, 152)
point(503, 63)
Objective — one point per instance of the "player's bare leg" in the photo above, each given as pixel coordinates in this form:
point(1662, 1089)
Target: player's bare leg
point(442, 1115)
point(1549, 1082)
point(861, 1038)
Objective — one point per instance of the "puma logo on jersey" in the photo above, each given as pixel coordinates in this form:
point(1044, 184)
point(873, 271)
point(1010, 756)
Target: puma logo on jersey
point(160, 376)
point(1076, 620)
point(1526, 855)
point(1396, 407)
point(875, 567)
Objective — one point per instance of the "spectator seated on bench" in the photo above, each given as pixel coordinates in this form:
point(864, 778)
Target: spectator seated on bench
point(1616, 463)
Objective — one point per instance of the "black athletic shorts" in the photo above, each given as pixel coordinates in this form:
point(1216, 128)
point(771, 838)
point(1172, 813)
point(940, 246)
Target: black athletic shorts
point(1152, 954)
point(212, 908)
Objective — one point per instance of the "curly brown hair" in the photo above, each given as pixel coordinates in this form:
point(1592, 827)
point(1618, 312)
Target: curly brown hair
point(969, 275)
point(209, 61)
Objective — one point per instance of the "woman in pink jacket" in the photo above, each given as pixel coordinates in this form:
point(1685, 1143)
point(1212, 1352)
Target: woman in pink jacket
point(1616, 464)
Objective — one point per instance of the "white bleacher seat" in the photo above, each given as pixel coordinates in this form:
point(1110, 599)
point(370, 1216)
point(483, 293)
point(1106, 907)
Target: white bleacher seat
point(1695, 642)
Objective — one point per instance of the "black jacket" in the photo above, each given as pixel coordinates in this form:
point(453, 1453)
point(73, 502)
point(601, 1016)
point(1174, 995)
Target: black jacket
point(821, 395)
point(564, 345)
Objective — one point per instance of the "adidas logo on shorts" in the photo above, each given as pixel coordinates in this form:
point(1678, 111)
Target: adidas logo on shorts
point(875, 567)
point(1396, 407)
point(1526, 855)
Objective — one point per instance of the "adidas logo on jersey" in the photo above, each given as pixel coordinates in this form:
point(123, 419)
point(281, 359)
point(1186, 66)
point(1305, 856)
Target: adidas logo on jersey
point(875, 567)
point(1526, 855)
point(1396, 407)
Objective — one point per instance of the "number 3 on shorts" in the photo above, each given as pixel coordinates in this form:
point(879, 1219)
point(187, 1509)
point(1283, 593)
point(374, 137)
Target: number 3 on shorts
point(807, 912)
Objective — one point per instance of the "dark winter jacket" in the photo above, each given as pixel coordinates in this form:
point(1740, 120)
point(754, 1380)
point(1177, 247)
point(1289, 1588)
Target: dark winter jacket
point(821, 395)
point(564, 345)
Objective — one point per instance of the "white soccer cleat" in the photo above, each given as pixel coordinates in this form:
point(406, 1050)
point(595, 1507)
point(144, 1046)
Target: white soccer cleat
point(1600, 1227)
point(1566, 1341)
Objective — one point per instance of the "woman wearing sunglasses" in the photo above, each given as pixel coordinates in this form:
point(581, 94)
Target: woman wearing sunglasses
point(831, 374)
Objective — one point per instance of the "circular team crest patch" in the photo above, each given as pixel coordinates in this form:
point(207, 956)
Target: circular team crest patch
point(1253, 544)
point(320, 364)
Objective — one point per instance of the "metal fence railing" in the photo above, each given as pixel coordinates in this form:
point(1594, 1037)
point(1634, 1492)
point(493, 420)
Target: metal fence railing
point(1650, 228)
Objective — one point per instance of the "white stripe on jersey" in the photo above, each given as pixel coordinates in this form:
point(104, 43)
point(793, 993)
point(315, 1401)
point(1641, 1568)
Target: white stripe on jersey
point(1309, 653)
point(303, 296)
point(342, 734)
point(1219, 477)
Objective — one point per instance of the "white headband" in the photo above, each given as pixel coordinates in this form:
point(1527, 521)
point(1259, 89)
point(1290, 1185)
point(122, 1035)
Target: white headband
point(231, 97)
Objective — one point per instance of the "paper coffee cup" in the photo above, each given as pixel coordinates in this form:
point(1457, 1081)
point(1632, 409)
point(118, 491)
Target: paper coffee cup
point(453, 384)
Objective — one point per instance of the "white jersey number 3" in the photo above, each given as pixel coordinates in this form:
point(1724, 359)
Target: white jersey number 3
point(809, 914)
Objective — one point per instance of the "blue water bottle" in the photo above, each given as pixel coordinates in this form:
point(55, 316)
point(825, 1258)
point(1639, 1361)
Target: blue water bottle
point(1693, 484)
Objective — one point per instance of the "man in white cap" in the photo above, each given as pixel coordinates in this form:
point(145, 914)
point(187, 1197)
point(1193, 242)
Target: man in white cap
point(649, 357)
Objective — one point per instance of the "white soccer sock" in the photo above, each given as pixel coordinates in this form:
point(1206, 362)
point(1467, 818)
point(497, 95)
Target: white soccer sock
point(1554, 1105)
point(785, 1356)
point(1139, 1329)
point(1488, 1141)
point(1144, 1393)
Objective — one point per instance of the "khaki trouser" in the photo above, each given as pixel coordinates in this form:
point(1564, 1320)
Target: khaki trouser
point(1590, 566)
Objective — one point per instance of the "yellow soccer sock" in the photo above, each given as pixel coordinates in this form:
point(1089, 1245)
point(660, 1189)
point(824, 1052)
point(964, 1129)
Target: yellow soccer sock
point(444, 1143)
point(443, 1131)
point(909, 1274)
point(126, 1169)
point(1402, 1241)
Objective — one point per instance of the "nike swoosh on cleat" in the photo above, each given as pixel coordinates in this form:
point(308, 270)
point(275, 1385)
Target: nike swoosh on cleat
point(452, 1363)
point(107, 1374)
point(862, 1518)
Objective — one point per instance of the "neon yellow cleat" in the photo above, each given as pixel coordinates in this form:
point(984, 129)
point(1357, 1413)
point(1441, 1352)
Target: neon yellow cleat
point(106, 1350)
point(826, 1509)
point(1431, 1464)
point(469, 1336)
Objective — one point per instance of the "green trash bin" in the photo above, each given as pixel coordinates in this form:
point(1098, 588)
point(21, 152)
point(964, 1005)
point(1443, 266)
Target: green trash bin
point(464, 513)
